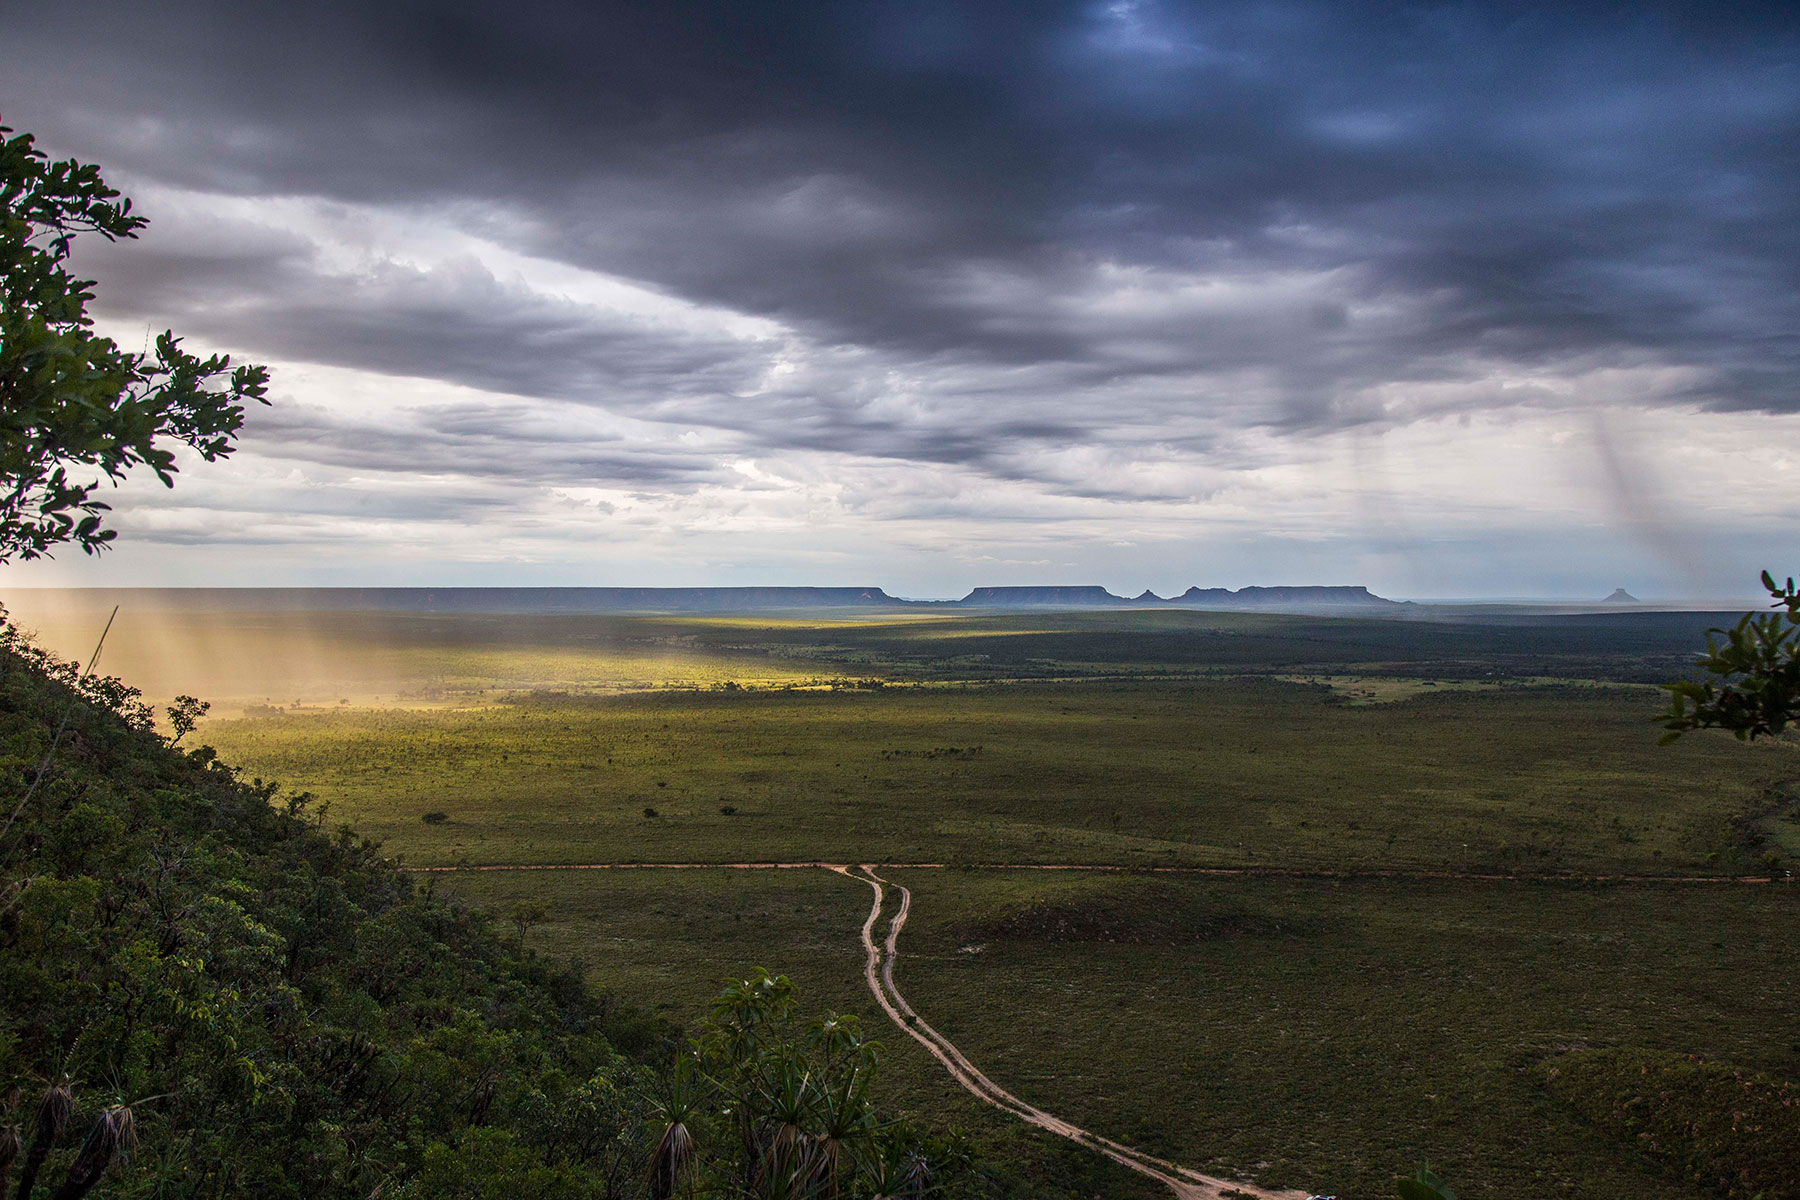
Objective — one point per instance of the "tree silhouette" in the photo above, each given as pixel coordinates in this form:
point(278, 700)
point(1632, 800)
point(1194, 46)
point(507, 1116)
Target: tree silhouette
point(72, 402)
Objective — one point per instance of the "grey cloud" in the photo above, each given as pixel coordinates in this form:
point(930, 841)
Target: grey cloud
point(457, 322)
point(473, 442)
point(1508, 184)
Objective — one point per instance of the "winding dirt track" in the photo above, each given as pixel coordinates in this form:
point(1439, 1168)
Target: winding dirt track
point(880, 957)
point(878, 970)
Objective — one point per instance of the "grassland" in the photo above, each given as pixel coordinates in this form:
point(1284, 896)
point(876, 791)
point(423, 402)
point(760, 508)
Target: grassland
point(1309, 1033)
point(1334, 1031)
point(1243, 772)
point(1317, 1031)
point(238, 658)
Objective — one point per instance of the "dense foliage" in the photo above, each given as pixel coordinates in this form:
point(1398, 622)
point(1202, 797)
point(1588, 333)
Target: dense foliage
point(283, 1013)
point(1731, 1130)
point(1756, 668)
point(71, 400)
point(191, 964)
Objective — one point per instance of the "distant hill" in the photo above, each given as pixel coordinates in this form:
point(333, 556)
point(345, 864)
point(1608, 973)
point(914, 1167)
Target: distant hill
point(1307, 599)
point(1042, 597)
point(550, 600)
point(1621, 596)
point(1284, 598)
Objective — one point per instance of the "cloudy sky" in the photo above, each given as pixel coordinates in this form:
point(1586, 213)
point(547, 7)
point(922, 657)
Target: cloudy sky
point(1446, 299)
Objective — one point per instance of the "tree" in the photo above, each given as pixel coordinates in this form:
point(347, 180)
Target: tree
point(1757, 665)
point(524, 914)
point(72, 401)
point(185, 714)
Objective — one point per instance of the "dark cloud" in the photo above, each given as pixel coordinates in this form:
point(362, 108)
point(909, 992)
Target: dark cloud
point(1137, 204)
point(472, 442)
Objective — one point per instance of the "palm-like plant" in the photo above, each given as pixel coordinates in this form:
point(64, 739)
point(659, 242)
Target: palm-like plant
point(53, 1112)
point(799, 1101)
point(895, 1170)
point(111, 1141)
point(9, 1134)
point(783, 1103)
point(845, 1113)
point(676, 1149)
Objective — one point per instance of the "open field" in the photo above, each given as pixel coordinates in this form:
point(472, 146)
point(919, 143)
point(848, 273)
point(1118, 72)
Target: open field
point(1336, 1031)
point(1333, 1031)
point(1322, 1029)
point(1244, 772)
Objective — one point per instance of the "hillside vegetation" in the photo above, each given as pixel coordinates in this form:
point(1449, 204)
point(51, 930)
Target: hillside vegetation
point(193, 969)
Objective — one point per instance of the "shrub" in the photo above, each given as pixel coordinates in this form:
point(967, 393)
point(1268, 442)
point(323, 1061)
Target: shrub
point(728, 810)
point(650, 812)
point(435, 818)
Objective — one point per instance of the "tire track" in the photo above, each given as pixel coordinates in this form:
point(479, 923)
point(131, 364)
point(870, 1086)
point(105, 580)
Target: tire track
point(878, 971)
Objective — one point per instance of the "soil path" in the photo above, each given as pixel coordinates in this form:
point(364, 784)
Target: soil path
point(878, 970)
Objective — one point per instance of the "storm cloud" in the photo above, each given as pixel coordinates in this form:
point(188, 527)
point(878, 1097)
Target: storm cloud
point(1126, 252)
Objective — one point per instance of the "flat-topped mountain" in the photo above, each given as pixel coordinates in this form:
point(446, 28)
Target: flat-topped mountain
point(1283, 597)
point(572, 600)
point(1042, 597)
point(1306, 598)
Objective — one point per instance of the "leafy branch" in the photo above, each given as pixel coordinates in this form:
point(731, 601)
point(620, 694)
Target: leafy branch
point(1757, 668)
point(72, 402)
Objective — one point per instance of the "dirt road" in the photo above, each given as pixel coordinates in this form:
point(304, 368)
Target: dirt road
point(878, 970)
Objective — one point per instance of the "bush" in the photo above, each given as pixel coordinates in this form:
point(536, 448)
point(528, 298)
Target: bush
point(1734, 1131)
point(435, 818)
point(650, 812)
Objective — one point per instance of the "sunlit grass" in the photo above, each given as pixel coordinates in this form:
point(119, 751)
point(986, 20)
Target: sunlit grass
point(1226, 773)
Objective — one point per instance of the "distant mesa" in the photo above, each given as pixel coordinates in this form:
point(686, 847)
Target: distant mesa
point(1289, 599)
point(1042, 597)
point(1284, 597)
point(1621, 596)
point(574, 600)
